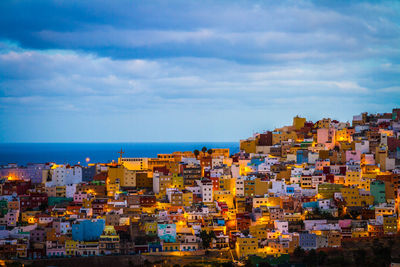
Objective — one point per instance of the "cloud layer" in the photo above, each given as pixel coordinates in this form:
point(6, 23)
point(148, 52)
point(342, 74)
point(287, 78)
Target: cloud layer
point(177, 71)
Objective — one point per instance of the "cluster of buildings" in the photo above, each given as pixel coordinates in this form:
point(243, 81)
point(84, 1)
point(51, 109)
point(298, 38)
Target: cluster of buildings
point(312, 185)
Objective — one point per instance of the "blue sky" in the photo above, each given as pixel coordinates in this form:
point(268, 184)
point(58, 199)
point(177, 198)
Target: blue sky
point(136, 71)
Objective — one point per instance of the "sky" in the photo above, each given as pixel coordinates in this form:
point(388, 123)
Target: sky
point(183, 71)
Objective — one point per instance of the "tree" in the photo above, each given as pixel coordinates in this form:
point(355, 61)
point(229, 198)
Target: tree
point(359, 257)
point(299, 252)
point(354, 214)
point(383, 255)
point(204, 149)
point(209, 151)
point(196, 153)
point(321, 257)
point(43, 206)
point(206, 238)
point(311, 258)
point(264, 264)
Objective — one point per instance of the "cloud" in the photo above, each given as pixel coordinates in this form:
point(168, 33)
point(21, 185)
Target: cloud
point(392, 89)
point(193, 64)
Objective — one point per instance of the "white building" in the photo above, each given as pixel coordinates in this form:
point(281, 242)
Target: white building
point(70, 190)
point(217, 161)
point(156, 182)
point(206, 188)
point(362, 146)
point(240, 186)
point(281, 226)
point(65, 175)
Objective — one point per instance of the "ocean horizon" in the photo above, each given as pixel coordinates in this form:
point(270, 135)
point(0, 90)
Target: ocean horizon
point(74, 153)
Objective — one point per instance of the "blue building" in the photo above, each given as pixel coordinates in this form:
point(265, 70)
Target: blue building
point(167, 232)
point(88, 230)
point(256, 161)
point(311, 204)
point(289, 190)
point(155, 247)
point(88, 173)
point(308, 241)
point(301, 156)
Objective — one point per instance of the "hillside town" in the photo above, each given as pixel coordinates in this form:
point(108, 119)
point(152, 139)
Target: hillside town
point(306, 186)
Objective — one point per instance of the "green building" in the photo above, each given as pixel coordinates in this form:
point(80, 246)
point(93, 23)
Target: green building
point(58, 200)
point(3, 208)
point(328, 190)
point(377, 189)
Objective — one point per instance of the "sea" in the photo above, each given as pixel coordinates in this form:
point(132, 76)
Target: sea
point(84, 153)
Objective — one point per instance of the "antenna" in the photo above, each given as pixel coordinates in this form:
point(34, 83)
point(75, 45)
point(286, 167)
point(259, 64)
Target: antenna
point(120, 154)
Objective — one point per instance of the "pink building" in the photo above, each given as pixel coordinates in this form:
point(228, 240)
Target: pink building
point(369, 159)
point(352, 155)
point(12, 217)
point(79, 197)
point(327, 137)
point(320, 164)
point(55, 249)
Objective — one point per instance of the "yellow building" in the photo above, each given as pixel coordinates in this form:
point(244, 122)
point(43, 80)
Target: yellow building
point(384, 211)
point(187, 198)
point(115, 174)
point(292, 217)
point(240, 204)
point(259, 231)
point(381, 154)
point(389, 225)
point(249, 188)
point(157, 162)
point(261, 187)
point(267, 201)
point(109, 241)
point(353, 197)
point(112, 188)
point(177, 181)
point(61, 191)
point(298, 122)
point(306, 181)
point(150, 228)
point(137, 164)
point(128, 178)
point(87, 203)
point(22, 249)
point(71, 247)
point(226, 182)
point(343, 135)
point(370, 169)
point(171, 246)
point(216, 152)
point(355, 179)
point(334, 239)
point(365, 184)
point(176, 199)
point(224, 196)
point(324, 123)
point(118, 174)
point(246, 246)
point(358, 233)
point(165, 182)
point(279, 137)
point(29, 216)
point(248, 145)
point(173, 167)
point(352, 178)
